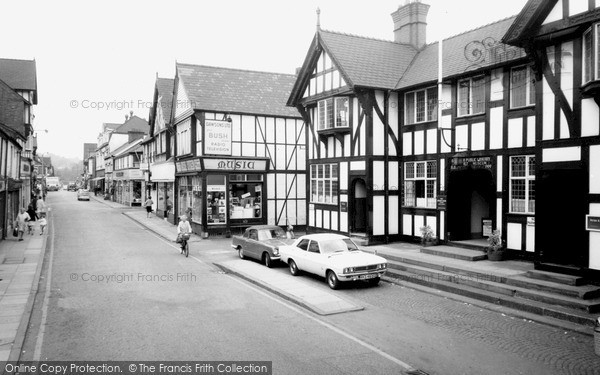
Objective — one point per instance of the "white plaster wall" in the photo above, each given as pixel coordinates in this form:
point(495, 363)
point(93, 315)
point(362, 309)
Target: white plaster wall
point(515, 132)
point(594, 169)
point(558, 154)
point(343, 215)
point(497, 87)
point(393, 176)
point(442, 169)
point(432, 141)
point(271, 213)
point(326, 220)
point(478, 136)
point(358, 165)
point(496, 116)
point(432, 222)
point(513, 236)
point(577, 6)
point(548, 111)
point(334, 221)
point(531, 131)
point(442, 225)
point(594, 255)
point(498, 214)
point(407, 225)
point(499, 173)
point(590, 118)
point(319, 218)
point(393, 217)
point(343, 175)
point(378, 131)
point(378, 215)
point(419, 142)
point(462, 140)
point(564, 126)
point(407, 144)
point(419, 221)
point(556, 13)
point(378, 175)
point(530, 238)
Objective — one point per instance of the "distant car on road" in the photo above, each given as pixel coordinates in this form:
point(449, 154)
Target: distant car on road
point(261, 242)
point(72, 186)
point(83, 195)
point(334, 257)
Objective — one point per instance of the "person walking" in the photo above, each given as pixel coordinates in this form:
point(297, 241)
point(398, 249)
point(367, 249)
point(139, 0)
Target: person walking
point(21, 222)
point(32, 218)
point(148, 205)
point(41, 207)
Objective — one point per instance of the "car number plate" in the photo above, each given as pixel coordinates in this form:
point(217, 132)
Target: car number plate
point(367, 276)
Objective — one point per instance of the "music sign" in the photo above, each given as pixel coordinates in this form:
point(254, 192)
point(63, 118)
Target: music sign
point(217, 137)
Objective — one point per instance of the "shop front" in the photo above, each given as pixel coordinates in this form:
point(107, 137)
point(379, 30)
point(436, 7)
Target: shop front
point(222, 195)
point(162, 189)
point(128, 186)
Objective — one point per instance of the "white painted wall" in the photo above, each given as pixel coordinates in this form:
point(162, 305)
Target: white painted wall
point(513, 236)
point(594, 255)
point(496, 116)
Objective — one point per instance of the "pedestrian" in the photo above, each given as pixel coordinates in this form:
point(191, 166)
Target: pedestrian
point(21, 222)
point(169, 205)
point(41, 207)
point(148, 205)
point(43, 224)
point(32, 218)
point(183, 228)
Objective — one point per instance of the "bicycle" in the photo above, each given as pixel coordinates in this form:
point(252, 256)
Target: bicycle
point(185, 247)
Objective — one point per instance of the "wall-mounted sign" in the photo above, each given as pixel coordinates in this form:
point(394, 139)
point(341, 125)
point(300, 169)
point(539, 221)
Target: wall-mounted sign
point(441, 202)
point(487, 227)
point(192, 165)
point(344, 206)
point(258, 165)
point(531, 221)
point(592, 223)
point(479, 162)
point(217, 137)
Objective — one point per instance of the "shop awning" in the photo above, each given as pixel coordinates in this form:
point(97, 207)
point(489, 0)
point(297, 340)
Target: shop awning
point(97, 178)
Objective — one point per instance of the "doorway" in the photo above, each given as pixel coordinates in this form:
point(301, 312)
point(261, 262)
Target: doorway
point(359, 206)
point(471, 194)
point(561, 237)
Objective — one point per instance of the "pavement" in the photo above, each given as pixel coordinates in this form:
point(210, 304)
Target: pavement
point(21, 264)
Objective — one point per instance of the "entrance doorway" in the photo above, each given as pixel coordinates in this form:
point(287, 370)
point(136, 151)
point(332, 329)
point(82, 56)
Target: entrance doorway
point(359, 206)
point(560, 212)
point(471, 196)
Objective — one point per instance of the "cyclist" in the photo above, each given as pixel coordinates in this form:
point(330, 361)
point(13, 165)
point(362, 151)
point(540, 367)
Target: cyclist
point(183, 228)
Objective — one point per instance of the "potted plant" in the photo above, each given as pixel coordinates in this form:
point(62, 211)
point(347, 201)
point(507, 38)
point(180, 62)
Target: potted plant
point(495, 249)
point(427, 236)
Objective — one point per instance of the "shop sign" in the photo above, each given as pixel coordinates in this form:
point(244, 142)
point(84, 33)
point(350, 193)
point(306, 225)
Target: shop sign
point(217, 137)
point(480, 162)
point(487, 227)
point(531, 221)
point(592, 223)
point(188, 165)
point(235, 164)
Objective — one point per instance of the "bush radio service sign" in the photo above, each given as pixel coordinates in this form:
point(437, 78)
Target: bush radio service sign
point(217, 137)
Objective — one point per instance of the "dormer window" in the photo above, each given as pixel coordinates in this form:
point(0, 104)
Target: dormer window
point(590, 55)
point(333, 113)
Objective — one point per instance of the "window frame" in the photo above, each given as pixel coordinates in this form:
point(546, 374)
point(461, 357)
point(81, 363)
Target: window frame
point(327, 110)
point(427, 104)
point(470, 106)
point(319, 180)
point(529, 100)
point(411, 177)
point(593, 32)
point(528, 177)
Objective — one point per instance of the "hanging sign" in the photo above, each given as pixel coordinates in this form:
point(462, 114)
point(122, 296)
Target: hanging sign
point(592, 223)
point(217, 137)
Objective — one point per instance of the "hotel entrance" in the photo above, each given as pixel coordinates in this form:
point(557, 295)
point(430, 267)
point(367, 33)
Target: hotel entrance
point(471, 198)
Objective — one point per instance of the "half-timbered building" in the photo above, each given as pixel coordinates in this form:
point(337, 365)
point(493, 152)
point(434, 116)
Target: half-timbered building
point(239, 150)
point(563, 39)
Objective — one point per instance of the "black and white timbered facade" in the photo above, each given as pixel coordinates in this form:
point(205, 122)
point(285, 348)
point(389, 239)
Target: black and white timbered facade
point(239, 151)
point(503, 135)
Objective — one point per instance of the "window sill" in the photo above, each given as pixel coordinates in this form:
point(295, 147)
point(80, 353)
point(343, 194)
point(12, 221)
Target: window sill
point(329, 131)
point(529, 106)
point(591, 89)
point(324, 204)
point(458, 117)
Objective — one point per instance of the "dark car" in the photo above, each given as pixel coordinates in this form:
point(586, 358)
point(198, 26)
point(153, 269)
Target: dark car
point(72, 187)
point(261, 242)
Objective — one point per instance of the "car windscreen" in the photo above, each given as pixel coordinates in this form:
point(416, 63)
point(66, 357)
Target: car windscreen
point(268, 234)
point(337, 245)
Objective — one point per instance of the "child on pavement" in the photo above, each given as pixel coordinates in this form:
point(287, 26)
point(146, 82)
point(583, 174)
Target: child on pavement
point(43, 224)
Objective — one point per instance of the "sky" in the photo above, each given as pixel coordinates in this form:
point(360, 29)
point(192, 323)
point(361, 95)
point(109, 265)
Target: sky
point(97, 61)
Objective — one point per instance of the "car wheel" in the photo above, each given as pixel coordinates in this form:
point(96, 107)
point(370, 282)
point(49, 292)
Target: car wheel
point(332, 280)
point(241, 253)
point(293, 268)
point(267, 260)
point(374, 281)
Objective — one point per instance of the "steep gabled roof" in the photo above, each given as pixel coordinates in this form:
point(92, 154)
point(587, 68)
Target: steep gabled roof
point(236, 91)
point(367, 62)
point(12, 108)
point(128, 148)
point(469, 51)
point(531, 17)
point(11, 133)
point(20, 75)
point(165, 93)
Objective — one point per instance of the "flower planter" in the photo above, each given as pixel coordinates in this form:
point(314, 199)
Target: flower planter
point(496, 255)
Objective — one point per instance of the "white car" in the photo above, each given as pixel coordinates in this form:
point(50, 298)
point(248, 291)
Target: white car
point(334, 257)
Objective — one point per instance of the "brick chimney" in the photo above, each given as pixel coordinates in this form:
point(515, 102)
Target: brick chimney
point(410, 23)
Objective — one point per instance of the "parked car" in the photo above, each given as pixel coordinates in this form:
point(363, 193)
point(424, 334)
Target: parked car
point(83, 195)
point(72, 186)
point(261, 242)
point(334, 257)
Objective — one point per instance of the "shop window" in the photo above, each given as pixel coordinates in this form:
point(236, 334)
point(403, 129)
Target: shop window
point(197, 199)
point(522, 87)
point(333, 113)
point(471, 96)
point(420, 184)
point(215, 200)
point(245, 196)
point(185, 197)
point(421, 106)
point(324, 183)
point(591, 52)
point(522, 184)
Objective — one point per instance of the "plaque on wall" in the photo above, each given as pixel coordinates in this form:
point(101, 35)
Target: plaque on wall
point(479, 162)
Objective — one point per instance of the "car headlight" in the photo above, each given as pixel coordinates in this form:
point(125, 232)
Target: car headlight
point(382, 266)
point(349, 270)
point(275, 251)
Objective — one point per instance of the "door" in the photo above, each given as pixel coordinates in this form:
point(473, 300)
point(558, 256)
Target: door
point(471, 198)
point(359, 206)
point(560, 233)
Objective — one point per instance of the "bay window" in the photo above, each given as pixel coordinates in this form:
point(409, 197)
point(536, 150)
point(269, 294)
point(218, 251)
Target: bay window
point(591, 52)
point(522, 184)
point(333, 113)
point(420, 179)
point(324, 183)
point(471, 96)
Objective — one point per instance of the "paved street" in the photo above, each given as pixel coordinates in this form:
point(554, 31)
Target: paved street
point(118, 291)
